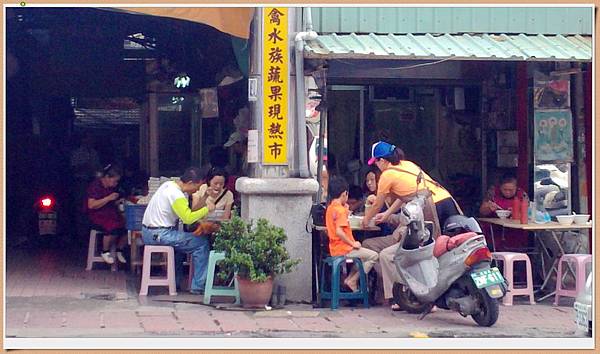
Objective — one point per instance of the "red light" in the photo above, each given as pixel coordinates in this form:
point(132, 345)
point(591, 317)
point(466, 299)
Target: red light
point(47, 202)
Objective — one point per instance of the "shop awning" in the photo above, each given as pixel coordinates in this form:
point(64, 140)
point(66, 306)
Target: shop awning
point(452, 46)
point(233, 21)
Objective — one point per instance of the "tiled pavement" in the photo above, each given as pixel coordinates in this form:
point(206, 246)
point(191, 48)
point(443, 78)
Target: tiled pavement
point(50, 297)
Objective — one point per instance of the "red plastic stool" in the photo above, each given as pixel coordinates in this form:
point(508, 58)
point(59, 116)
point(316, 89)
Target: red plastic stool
point(581, 260)
point(509, 258)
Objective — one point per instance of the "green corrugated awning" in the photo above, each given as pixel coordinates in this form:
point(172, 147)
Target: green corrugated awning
point(452, 46)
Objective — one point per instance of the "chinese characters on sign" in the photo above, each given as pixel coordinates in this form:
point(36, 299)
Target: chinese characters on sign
point(275, 70)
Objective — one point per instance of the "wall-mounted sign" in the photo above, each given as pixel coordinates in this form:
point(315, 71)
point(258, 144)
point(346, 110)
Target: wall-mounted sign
point(275, 85)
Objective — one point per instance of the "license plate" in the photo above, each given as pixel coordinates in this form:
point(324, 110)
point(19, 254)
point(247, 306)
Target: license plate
point(487, 277)
point(581, 316)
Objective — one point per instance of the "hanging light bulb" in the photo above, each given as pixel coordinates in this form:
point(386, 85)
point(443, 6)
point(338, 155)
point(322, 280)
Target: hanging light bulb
point(182, 80)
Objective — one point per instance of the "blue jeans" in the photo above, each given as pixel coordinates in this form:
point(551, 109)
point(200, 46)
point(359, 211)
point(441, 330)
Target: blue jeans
point(184, 242)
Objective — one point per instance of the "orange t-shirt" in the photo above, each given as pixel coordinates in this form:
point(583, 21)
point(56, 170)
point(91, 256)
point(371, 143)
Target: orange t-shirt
point(337, 215)
point(402, 184)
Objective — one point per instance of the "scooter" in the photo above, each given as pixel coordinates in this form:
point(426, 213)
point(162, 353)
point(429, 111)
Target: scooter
point(451, 272)
point(47, 215)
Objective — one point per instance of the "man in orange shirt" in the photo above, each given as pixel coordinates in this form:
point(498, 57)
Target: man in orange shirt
point(341, 241)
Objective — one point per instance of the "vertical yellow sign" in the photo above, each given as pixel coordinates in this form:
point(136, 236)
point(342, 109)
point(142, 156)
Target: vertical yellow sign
point(275, 85)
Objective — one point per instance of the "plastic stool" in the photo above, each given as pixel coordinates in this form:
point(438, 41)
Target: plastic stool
point(92, 247)
point(147, 280)
point(580, 275)
point(336, 263)
point(211, 290)
point(509, 258)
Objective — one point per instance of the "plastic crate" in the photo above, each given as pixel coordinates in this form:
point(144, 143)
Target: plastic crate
point(133, 216)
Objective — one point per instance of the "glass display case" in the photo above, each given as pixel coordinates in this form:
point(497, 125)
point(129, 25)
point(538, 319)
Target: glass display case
point(552, 188)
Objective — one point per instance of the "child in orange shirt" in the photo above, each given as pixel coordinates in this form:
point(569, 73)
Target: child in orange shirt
point(341, 241)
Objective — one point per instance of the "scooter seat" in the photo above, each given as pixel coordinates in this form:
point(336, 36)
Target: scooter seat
point(445, 243)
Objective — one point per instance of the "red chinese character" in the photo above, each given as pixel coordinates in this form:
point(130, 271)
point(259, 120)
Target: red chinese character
point(274, 16)
point(275, 149)
point(275, 93)
point(274, 74)
point(275, 111)
point(275, 131)
point(275, 56)
point(274, 36)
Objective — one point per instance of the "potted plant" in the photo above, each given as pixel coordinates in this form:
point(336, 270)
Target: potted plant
point(256, 253)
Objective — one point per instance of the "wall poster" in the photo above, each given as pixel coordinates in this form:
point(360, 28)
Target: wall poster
point(553, 135)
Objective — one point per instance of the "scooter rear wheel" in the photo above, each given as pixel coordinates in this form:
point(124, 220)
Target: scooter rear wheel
point(407, 300)
point(489, 309)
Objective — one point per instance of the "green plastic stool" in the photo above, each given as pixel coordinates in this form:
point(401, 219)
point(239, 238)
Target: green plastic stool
point(209, 289)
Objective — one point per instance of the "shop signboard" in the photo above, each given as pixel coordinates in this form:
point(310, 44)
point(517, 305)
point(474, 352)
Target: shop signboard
point(275, 85)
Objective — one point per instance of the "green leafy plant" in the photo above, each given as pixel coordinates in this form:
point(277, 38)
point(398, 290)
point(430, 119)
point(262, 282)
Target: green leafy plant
point(253, 251)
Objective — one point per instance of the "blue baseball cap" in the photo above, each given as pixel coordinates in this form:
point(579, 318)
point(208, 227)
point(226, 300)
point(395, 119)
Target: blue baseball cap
point(380, 149)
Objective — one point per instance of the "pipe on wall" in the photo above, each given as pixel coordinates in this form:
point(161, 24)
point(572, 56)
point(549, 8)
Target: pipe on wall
point(300, 95)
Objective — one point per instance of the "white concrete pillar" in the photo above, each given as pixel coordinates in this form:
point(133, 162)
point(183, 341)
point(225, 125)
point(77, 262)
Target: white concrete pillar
point(286, 203)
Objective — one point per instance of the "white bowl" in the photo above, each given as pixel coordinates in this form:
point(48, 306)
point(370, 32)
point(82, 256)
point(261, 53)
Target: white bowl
point(503, 214)
point(354, 221)
point(565, 219)
point(581, 219)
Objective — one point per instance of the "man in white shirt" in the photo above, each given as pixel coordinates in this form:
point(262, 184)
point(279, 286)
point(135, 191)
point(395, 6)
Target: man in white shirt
point(170, 203)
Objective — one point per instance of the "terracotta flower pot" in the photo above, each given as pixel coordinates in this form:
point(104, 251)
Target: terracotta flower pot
point(255, 294)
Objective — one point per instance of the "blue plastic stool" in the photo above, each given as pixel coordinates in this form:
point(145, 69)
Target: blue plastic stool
point(334, 293)
point(209, 289)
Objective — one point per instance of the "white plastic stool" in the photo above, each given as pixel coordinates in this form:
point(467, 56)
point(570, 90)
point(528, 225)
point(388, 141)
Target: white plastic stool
point(168, 280)
point(92, 247)
point(509, 258)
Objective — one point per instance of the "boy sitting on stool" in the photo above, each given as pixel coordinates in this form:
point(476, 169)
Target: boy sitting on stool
point(341, 241)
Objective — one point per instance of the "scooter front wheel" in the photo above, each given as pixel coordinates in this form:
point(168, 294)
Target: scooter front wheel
point(489, 309)
point(407, 300)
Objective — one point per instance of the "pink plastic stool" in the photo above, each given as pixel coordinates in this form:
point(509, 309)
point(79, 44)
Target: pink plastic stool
point(509, 258)
point(92, 251)
point(581, 261)
point(147, 280)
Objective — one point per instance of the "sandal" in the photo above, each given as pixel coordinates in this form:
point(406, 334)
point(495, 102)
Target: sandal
point(395, 307)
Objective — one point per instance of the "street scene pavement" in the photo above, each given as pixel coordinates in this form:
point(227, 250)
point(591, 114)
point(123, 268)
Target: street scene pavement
point(47, 298)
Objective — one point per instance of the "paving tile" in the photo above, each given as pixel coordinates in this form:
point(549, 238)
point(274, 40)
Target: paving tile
point(277, 324)
point(14, 318)
point(119, 319)
point(233, 321)
point(43, 319)
point(351, 322)
point(155, 311)
point(83, 320)
point(160, 325)
point(315, 324)
point(197, 322)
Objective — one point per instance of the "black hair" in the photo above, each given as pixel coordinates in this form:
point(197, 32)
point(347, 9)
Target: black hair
point(337, 186)
point(112, 170)
point(376, 172)
point(191, 174)
point(215, 171)
point(508, 178)
point(355, 192)
point(396, 156)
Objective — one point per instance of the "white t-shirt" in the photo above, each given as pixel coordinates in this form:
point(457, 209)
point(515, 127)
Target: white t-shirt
point(159, 212)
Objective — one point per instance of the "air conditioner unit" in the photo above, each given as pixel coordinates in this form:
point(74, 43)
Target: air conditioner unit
point(390, 93)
